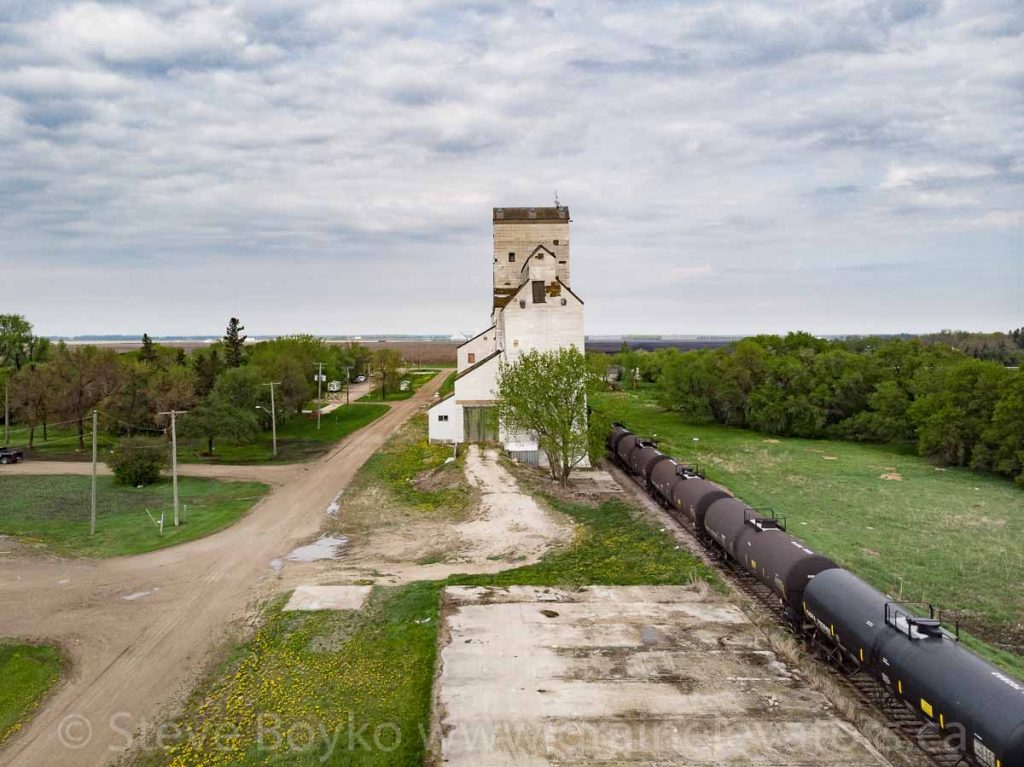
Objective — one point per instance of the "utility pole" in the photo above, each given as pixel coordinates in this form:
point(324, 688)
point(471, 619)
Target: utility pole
point(319, 392)
point(92, 513)
point(7, 410)
point(273, 415)
point(346, 368)
point(174, 457)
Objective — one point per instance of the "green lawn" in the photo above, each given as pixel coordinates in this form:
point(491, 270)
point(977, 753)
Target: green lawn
point(297, 438)
point(405, 456)
point(28, 672)
point(952, 537)
point(448, 386)
point(61, 445)
point(54, 511)
point(416, 380)
point(375, 667)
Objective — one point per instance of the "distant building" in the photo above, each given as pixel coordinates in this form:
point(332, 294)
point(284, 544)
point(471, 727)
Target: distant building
point(533, 308)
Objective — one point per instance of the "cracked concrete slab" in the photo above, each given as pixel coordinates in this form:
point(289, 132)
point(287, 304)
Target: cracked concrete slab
point(628, 675)
point(328, 598)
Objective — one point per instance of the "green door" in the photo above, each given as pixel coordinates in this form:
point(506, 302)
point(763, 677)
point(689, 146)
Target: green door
point(479, 424)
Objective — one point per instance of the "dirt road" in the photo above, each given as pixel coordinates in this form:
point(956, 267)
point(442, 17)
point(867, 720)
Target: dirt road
point(137, 629)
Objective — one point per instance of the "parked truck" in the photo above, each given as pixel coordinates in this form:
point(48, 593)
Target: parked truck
point(10, 455)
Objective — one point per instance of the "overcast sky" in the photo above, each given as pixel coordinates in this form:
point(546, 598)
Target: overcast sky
point(330, 167)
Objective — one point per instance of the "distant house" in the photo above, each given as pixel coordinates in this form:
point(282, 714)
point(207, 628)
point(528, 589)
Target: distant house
point(533, 308)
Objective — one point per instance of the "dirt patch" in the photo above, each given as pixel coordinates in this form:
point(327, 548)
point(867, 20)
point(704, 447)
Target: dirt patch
point(509, 519)
point(436, 479)
point(772, 441)
point(830, 458)
point(894, 476)
point(590, 486)
point(504, 528)
point(1005, 636)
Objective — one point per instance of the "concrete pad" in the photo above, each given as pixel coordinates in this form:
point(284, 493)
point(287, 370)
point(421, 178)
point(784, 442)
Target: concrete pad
point(328, 598)
point(630, 675)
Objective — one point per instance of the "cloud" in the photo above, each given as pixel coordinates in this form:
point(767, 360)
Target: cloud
point(29, 81)
point(346, 155)
point(905, 177)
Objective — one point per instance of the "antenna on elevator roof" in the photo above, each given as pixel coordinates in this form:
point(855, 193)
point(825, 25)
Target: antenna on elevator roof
point(556, 199)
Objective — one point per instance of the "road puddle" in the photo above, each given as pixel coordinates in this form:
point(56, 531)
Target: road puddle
point(326, 547)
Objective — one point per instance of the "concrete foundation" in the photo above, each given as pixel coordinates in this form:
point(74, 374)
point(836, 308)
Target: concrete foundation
point(625, 675)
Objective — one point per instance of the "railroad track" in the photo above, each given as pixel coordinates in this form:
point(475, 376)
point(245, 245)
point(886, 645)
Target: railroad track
point(899, 719)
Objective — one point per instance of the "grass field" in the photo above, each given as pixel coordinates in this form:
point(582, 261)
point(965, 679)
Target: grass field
point(416, 380)
point(952, 537)
point(61, 445)
point(448, 386)
point(404, 458)
point(54, 511)
point(28, 672)
point(297, 440)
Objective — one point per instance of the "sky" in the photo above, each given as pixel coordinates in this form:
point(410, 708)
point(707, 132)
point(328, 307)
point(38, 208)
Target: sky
point(330, 167)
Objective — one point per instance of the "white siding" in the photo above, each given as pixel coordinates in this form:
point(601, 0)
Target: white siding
point(478, 386)
point(480, 347)
point(543, 326)
point(441, 430)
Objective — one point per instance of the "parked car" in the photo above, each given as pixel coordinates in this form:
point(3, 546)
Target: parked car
point(360, 379)
point(10, 455)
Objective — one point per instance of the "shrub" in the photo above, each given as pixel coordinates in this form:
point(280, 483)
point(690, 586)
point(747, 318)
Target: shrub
point(138, 460)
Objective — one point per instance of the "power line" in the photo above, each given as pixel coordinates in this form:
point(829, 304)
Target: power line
point(131, 425)
point(58, 441)
point(47, 425)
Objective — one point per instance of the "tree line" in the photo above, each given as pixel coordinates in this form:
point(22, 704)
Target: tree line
point(222, 386)
point(956, 408)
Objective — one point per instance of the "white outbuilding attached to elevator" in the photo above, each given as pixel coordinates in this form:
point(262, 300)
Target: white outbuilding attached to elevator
point(533, 308)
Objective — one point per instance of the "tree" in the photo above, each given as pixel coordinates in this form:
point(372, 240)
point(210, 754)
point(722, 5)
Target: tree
point(131, 403)
point(1002, 445)
point(148, 352)
point(85, 376)
point(32, 397)
point(360, 357)
point(172, 388)
point(386, 364)
point(291, 361)
point(545, 394)
point(138, 460)
point(216, 418)
point(18, 346)
point(956, 406)
point(16, 341)
point(629, 364)
point(600, 365)
point(885, 420)
point(234, 344)
point(208, 367)
point(242, 387)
